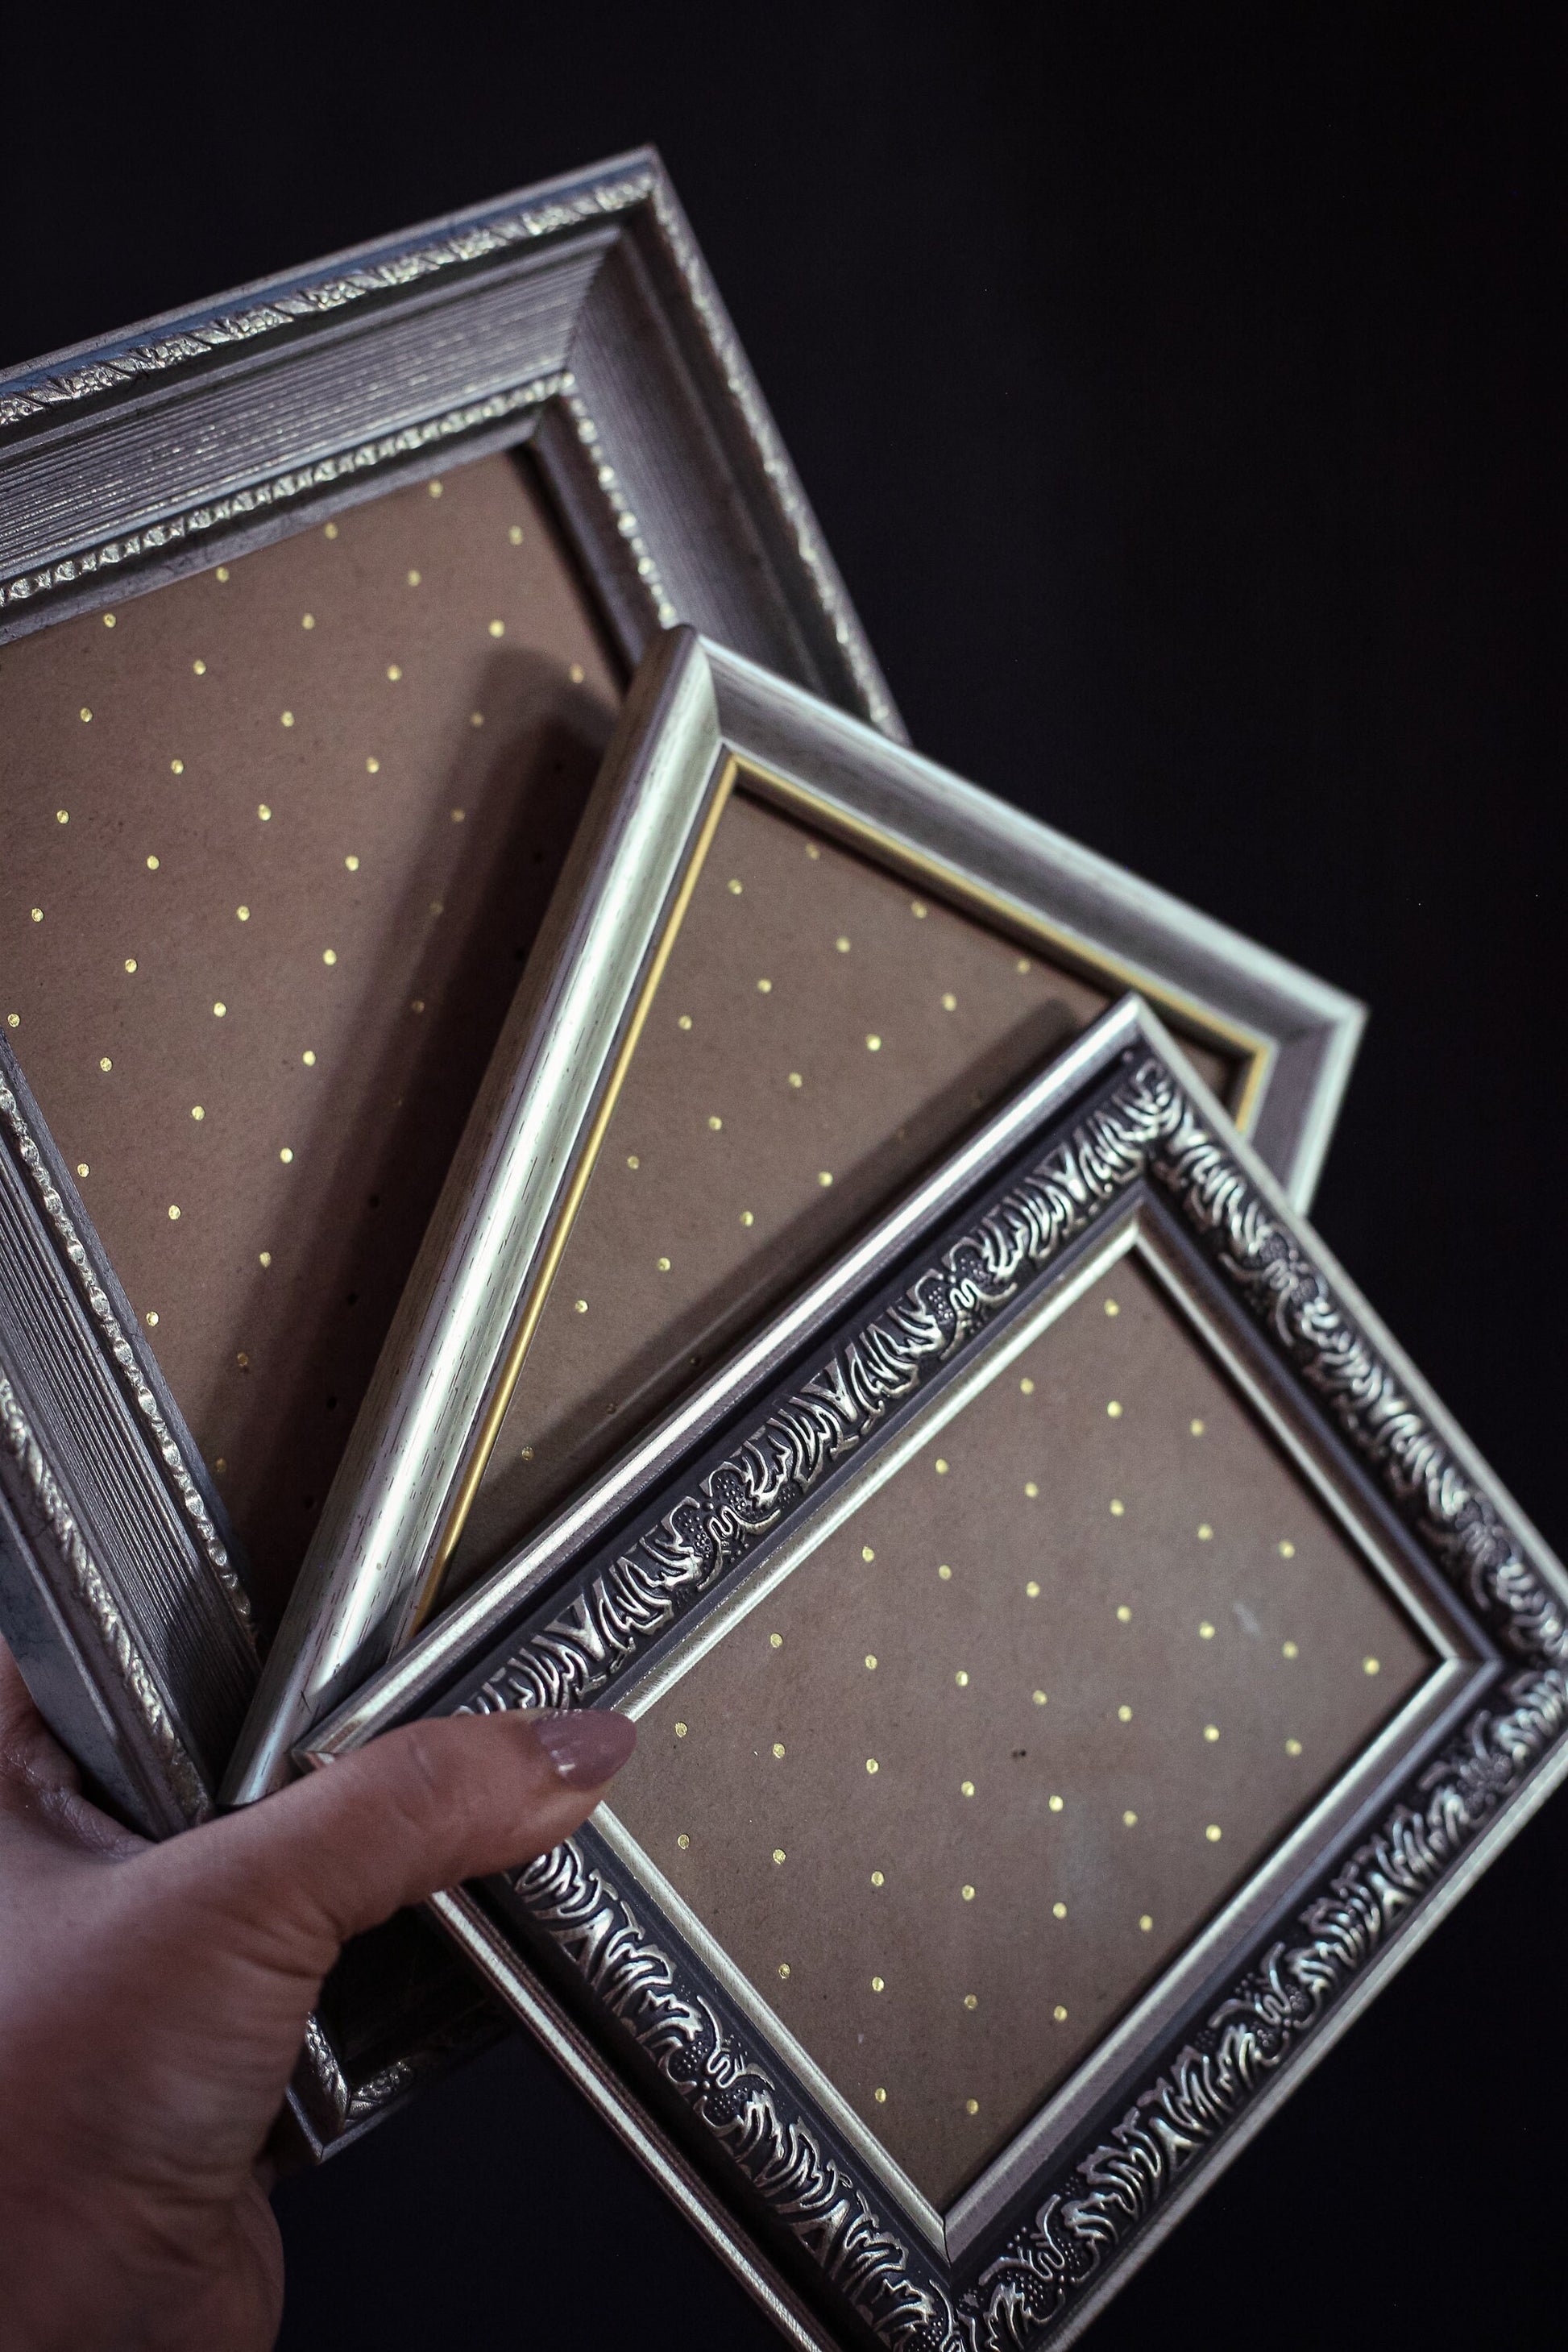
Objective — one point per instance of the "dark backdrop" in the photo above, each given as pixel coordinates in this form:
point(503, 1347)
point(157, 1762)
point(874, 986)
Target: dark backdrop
point(1180, 392)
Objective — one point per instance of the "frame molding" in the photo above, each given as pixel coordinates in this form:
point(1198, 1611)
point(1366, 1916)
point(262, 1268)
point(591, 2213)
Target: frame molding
point(698, 720)
point(1122, 1118)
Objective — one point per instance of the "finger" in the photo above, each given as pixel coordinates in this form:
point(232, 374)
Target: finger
point(30, 1752)
point(40, 1788)
point(418, 1810)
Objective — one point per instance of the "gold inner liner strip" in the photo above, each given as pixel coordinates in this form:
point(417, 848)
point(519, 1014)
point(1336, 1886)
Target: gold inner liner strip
point(539, 1290)
point(1198, 1020)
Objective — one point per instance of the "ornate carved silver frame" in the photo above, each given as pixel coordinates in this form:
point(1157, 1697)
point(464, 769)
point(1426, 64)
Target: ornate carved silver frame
point(1117, 1145)
point(700, 722)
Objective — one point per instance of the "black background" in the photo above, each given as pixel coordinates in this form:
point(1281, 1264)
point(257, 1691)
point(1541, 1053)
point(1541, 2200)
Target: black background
point(1180, 392)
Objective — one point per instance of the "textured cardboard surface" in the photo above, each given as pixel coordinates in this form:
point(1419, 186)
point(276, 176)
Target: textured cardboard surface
point(447, 702)
point(1099, 1617)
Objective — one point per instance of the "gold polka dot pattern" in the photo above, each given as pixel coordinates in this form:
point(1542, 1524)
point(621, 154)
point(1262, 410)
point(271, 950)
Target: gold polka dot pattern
point(1105, 1826)
point(755, 1130)
point(240, 913)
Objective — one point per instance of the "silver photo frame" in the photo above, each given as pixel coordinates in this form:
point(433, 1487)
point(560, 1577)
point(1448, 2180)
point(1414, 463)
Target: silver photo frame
point(1116, 1158)
point(701, 724)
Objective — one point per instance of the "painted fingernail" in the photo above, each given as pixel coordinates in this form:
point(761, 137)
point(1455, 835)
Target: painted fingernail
point(586, 1749)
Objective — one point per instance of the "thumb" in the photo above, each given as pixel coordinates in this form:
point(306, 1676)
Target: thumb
point(453, 1797)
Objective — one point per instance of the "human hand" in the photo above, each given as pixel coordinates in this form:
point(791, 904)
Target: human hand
point(154, 1999)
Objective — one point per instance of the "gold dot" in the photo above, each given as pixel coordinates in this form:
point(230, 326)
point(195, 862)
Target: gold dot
point(580, 1306)
point(266, 1257)
point(200, 669)
point(1117, 1508)
point(1206, 1632)
point(1145, 1923)
point(1213, 1833)
point(967, 1893)
point(1293, 1748)
point(243, 1360)
point(62, 816)
point(872, 1765)
point(109, 620)
point(222, 568)
point(866, 1553)
point(664, 1266)
point(527, 1455)
point(1032, 1590)
point(733, 886)
point(515, 534)
point(972, 2106)
point(877, 1984)
point(264, 813)
point(825, 1179)
point(877, 1879)
point(13, 1021)
point(1058, 1910)
point(961, 1679)
point(775, 1641)
point(873, 1043)
point(1370, 1667)
point(1114, 1410)
point(945, 1574)
point(1123, 1614)
point(82, 1168)
point(1125, 1713)
point(285, 719)
point(842, 945)
point(197, 1112)
point(1205, 1533)
point(351, 862)
point(632, 1160)
point(394, 672)
point(1288, 1650)
point(918, 909)
point(414, 579)
point(795, 1079)
point(177, 767)
point(747, 1218)
point(85, 715)
point(784, 1967)
point(37, 914)
point(309, 1058)
point(941, 1467)
point(372, 766)
point(416, 1005)
point(1111, 1308)
point(1211, 1731)
point(966, 1788)
point(576, 673)
point(880, 2096)
point(870, 1662)
point(765, 988)
point(151, 866)
point(436, 907)
point(151, 1317)
point(682, 1840)
point(104, 1063)
point(1286, 1551)
point(1129, 1820)
point(684, 1021)
point(1059, 2013)
point(1196, 1427)
point(457, 816)
point(173, 1213)
point(498, 629)
point(778, 1854)
point(714, 1124)
point(434, 489)
point(1038, 1697)
point(680, 1730)
point(220, 1463)
point(949, 1002)
point(476, 718)
point(286, 1157)
point(307, 620)
point(778, 1748)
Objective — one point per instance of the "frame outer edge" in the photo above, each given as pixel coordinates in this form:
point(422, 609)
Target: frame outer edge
point(488, 1239)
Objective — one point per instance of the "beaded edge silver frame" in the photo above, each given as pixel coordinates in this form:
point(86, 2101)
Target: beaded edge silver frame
point(1089, 2218)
